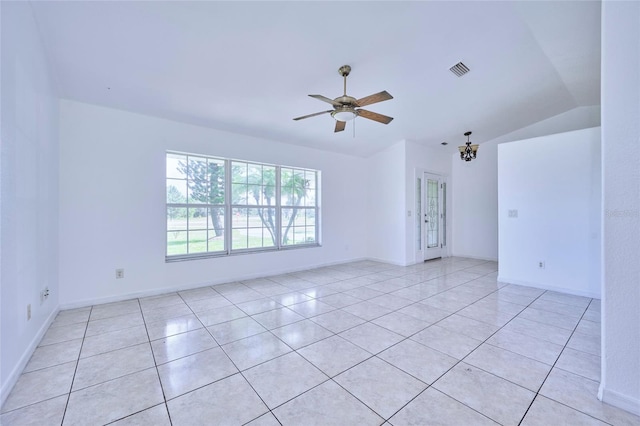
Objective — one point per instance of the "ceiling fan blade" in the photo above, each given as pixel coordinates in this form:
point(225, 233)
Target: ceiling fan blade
point(339, 126)
point(374, 116)
point(375, 98)
point(312, 115)
point(325, 99)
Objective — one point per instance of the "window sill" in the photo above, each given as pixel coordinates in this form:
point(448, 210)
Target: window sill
point(201, 256)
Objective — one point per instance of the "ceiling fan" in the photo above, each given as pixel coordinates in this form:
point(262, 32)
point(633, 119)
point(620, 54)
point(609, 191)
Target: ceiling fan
point(344, 107)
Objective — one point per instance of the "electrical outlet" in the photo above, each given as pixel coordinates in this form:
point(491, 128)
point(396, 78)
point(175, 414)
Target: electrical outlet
point(44, 294)
point(28, 311)
point(119, 273)
point(541, 264)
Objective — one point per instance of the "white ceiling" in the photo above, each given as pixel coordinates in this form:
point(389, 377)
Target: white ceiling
point(247, 67)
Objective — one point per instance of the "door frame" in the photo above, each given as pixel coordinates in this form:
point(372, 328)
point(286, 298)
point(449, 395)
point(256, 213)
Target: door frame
point(419, 229)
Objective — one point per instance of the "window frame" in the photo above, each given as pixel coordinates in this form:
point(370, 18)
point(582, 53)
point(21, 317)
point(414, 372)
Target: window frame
point(229, 207)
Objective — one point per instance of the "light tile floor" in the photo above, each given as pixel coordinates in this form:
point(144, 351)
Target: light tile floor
point(363, 343)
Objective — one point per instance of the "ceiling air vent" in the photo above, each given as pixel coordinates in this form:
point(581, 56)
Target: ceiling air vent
point(459, 69)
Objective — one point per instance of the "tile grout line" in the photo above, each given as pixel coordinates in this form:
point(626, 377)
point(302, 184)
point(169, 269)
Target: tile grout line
point(75, 370)
point(232, 362)
point(554, 366)
point(459, 361)
point(155, 364)
point(375, 356)
point(332, 378)
point(411, 375)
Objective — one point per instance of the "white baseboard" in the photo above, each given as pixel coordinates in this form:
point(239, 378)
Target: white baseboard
point(619, 400)
point(155, 292)
point(13, 377)
point(390, 262)
point(471, 256)
point(543, 286)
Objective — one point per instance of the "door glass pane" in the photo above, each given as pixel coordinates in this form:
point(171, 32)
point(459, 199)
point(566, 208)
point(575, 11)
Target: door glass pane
point(432, 213)
point(444, 214)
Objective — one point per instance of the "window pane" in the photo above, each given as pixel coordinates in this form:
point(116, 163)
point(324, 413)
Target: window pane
point(267, 237)
point(254, 194)
point(216, 242)
point(215, 220)
point(176, 242)
point(299, 235)
point(238, 172)
point(198, 180)
point(286, 216)
point(239, 193)
point(197, 218)
point(176, 191)
point(176, 218)
point(254, 174)
point(239, 219)
point(310, 233)
point(239, 239)
point(300, 219)
point(197, 241)
point(268, 175)
point(216, 181)
point(310, 198)
point(173, 166)
point(286, 195)
point(285, 174)
point(269, 195)
point(311, 217)
point(255, 237)
point(311, 179)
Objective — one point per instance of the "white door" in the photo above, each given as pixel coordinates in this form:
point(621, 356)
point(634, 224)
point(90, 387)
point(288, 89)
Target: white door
point(433, 234)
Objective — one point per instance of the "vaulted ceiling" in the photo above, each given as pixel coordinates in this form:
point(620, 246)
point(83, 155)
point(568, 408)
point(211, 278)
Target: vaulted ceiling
point(247, 67)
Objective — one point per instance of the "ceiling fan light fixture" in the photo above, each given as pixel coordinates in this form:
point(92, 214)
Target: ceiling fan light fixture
point(344, 115)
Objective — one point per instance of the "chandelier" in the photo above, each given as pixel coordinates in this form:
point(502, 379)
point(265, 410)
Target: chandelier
point(468, 151)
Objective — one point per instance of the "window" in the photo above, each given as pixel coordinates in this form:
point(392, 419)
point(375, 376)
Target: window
point(195, 205)
point(253, 206)
point(298, 201)
point(217, 206)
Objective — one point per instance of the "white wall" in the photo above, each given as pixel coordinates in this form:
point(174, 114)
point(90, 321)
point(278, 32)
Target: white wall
point(620, 384)
point(391, 176)
point(112, 205)
point(420, 159)
point(28, 192)
point(474, 185)
point(385, 212)
point(554, 184)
